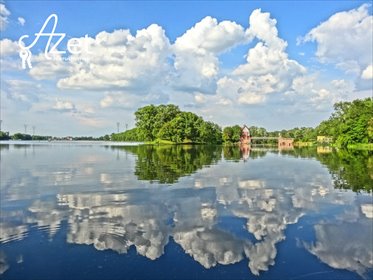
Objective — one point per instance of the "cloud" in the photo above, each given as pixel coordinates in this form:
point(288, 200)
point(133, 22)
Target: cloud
point(22, 91)
point(147, 62)
point(196, 53)
point(309, 93)
point(64, 106)
point(210, 247)
point(352, 45)
point(120, 60)
point(4, 15)
point(21, 21)
point(331, 246)
point(268, 69)
point(8, 48)
point(48, 68)
point(367, 74)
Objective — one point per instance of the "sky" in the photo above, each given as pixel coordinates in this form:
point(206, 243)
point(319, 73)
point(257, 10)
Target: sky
point(274, 64)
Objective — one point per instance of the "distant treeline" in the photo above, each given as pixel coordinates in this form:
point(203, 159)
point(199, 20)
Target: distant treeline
point(27, 137)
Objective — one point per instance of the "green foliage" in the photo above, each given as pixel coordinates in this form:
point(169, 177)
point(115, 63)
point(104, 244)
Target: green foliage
point(183, 128)
point(131, 135)
point(4, 135)
point(167, 123)
point(302, 134)
point(150, 119)
point(40, 137)
point(21, 136)
point(232, 134)
point(351, 123)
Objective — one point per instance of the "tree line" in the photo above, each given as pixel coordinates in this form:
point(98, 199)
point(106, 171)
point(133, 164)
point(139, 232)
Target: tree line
point(28, 137)
point(350, 123)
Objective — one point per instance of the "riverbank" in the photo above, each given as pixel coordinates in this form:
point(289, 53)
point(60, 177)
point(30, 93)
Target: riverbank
point(361, 146)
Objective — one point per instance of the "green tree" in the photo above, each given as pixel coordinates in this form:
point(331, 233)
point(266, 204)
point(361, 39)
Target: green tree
point(150, 119)
point(21, 136)
point(232, 134)
point(350, 123)
point(4, 135)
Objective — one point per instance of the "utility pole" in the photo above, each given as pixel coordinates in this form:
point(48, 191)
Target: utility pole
point(25, 125)
point(126, 126)
point(118, 126)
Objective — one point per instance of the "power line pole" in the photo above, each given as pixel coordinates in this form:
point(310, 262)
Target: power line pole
point(118, 126)
point(25, 125)
point(126, 126)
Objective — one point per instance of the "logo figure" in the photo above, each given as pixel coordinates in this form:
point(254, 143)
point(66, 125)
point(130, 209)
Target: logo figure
point(25, 55)
point(74, 45)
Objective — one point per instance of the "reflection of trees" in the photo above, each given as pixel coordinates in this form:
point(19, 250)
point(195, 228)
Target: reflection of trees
point(350, 169)
point(232, 152)
point(166, 164)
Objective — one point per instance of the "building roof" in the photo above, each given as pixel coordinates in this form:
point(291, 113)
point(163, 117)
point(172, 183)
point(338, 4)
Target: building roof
point(245, 128)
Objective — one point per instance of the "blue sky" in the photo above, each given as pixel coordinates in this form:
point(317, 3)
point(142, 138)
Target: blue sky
point(277, 64)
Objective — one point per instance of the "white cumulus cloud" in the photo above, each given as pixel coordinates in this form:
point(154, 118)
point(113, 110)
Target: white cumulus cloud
point(367, 73)
point(267, 70)
point(345, 39)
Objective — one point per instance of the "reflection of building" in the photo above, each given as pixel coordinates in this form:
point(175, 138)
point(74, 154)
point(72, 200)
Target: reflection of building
point(245, 135)
point(324, 149)
point(245, 151)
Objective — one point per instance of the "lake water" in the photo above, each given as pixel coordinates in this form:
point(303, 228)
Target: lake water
point(95, 211)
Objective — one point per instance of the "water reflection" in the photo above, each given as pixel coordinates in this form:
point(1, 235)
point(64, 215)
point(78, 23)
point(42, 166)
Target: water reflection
point(347, 242)
point(166, 164)
point(117, 204)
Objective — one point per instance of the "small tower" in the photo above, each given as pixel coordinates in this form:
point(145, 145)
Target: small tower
point(245, 135)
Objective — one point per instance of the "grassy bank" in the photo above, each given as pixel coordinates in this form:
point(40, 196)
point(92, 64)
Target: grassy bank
point(361, 146)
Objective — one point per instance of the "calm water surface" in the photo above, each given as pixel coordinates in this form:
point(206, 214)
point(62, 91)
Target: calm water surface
point(90, 211)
